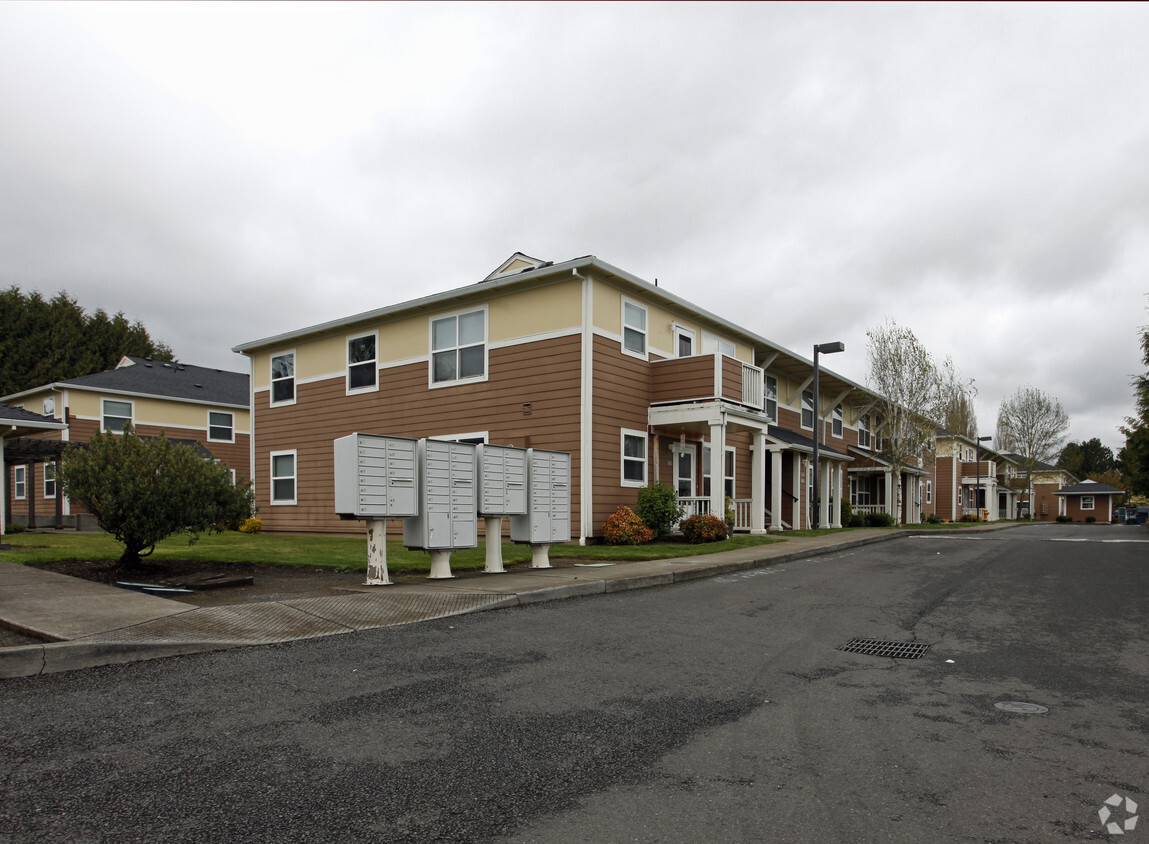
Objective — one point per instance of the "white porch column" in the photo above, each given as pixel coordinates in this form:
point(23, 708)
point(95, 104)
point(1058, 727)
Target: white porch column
point(836, 515)
point(3, 489)
point(891, 500)
point(824, 493)
point(776, 489)
point(799, 492)
point(718, 467)
point(757, 484)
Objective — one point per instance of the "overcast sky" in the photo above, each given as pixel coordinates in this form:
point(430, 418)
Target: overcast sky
point(227, 172)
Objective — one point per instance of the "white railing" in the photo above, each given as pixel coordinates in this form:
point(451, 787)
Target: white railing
point(868, 508)
point(700, 506)
point(752, 386)
point(742, 510)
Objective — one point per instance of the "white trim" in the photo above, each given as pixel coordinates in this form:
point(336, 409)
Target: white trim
point(645, 331)
point(273, 477)
point(272, 379)
point(369, 388)
point(535, 338)
point(623, 433)
point(104, 414)
point(456, 381)
point(731, 450)
point(586, 413)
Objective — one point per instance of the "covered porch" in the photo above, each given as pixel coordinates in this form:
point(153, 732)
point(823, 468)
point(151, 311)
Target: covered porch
point(877, 486)
point(18, 448)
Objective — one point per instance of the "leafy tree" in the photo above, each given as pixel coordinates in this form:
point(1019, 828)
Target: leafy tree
point(1031, 425)
point(955, 402)
point(44, 340)
point(1085, 459)
point(144, 490)
point(1133, 459)
point(913, 394)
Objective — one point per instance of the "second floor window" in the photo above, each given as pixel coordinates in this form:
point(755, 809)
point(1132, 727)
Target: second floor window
point(459, 347)
point(808, 409)
point(116, 415)
point(771, 403)
point(220, 426)
point(837, 423)
point(283, 378)
point(362, 366)
point(634, 329)
point(864, 430)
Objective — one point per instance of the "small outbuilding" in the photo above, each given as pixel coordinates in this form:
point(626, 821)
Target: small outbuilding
point(1090, 498)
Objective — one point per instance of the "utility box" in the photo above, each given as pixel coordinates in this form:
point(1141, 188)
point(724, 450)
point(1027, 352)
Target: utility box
point(375, 477)
point(447, 517)
point(548, 517)
point(502, 480)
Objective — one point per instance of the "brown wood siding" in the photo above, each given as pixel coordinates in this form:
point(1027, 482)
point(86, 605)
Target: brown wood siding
point(731, 379)
point(544, 375)
point(680, 378)
point(621, 399)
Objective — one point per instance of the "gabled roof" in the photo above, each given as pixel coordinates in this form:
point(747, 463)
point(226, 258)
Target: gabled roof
point(1089, 488)
point(171, 380)
point(16, 421)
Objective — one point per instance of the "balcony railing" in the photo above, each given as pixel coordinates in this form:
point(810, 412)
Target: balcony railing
point(712, 377)
point(700, 506)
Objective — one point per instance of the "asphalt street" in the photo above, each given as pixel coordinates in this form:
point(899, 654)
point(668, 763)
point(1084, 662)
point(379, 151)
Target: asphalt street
point(719, 709)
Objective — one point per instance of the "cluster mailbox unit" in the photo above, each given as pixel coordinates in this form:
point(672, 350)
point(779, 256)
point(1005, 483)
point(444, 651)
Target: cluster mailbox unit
point(375, 480)
point(441, 487)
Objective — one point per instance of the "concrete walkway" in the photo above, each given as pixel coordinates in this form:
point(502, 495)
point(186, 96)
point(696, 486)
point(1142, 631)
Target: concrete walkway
point(83, 624)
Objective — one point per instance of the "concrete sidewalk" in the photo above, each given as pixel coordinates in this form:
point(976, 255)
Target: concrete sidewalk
point(84, 624)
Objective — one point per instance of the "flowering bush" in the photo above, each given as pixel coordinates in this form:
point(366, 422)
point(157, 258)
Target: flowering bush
point(251, 526)
point(706, 528)
point(624, 527)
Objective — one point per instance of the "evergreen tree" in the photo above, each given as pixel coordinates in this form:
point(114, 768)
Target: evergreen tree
point(45, 340)
point(1133, 459)
point(1085, 459)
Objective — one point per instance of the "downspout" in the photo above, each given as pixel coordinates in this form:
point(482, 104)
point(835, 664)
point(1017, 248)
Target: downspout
point(3, 490)
point(586, 412)
point(251, 427)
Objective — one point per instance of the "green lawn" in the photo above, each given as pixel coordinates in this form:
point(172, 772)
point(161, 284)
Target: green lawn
point(343, 553)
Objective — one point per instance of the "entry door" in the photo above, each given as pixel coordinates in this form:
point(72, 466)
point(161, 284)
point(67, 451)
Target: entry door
point(685, 458)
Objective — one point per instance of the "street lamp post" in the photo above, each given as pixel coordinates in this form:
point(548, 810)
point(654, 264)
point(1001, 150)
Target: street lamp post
point(977, 493)
point(827, 349)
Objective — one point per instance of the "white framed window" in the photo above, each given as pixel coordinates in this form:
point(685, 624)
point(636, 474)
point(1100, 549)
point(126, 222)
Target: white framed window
point(808, 410)
point(283, 378)
point(1087, 502)
point(50, 406)
point(459, 348)
point(363, 363)
point(864, 430)
point(728, 470)
point(960, 496)
point(20, 482)
point(712, 344)
point(770, 406)
point(115, 415)
point(283, 477)
point(474, 437)
point(220, 426)
point(633, 329)
point(929, 492)
point(684, 339)
point(50, 480)
point(633, 457)
point(836, 425)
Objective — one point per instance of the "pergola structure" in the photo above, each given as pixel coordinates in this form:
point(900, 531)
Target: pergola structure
point(17, 448)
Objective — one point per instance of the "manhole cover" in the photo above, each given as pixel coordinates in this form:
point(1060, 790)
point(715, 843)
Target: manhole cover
point(1020, 707)
point(895, 650)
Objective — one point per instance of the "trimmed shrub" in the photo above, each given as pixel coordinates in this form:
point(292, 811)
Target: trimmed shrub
point(1064, 519)
point(847, 514)
point(14, 528)
point(658, 508)
point(1090, 519)
point(879, 520)
point(934, 519)
point(968, 517)
point(252, 525)
point(857, 520)
point(624, 527)
point(705, 528)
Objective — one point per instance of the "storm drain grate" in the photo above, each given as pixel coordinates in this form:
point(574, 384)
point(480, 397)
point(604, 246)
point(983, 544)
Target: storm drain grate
point(895, 650)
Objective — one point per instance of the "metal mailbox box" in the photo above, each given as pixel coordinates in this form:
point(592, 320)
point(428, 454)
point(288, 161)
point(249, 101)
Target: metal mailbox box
point(548, 517)
point(448, 516)
point(502, 480)
point(375, 477)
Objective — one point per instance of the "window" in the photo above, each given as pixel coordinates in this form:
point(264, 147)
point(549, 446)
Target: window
point(20, 482)
point(716, 345)
point(362, 363)
point(49, 480)
point(929, 492)
point(459, 348)
point(117, 415)
point(633, 458)
point(864, 430)
point(683, 341)
point(50, 406)
point(283, 477)
point(283, 379)
point(1087, 502)
point(633, 329)
point(220, 427)
point(728, 470)
point(960, 496)
point(808, 409)
point(770, 405)
point(836, 426)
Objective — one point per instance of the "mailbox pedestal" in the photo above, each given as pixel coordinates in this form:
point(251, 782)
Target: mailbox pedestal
point(502, 492)
point(548, 516)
